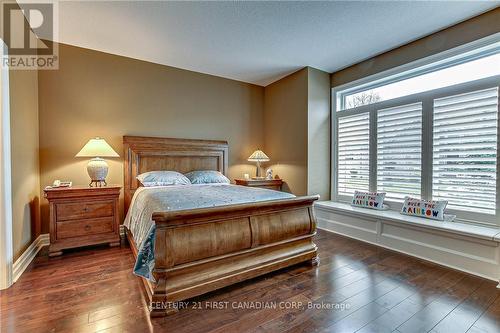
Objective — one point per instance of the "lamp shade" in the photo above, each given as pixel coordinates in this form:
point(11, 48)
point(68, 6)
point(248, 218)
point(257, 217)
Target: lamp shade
point(258, 156)
point(97, 148)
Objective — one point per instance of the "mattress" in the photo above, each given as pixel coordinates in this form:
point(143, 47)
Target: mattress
point(149, 200)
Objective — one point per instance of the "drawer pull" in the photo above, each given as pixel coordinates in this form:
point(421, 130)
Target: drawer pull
point(87, 227)
point(86, 209)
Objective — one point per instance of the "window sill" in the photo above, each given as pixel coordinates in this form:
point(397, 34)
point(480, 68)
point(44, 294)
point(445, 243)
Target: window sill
point(468, 230)
point(470, 248)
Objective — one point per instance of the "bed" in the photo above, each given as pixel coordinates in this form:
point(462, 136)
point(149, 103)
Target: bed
point(200, 249)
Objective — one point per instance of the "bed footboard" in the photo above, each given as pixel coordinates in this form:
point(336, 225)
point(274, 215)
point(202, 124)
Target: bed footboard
point(202, 250)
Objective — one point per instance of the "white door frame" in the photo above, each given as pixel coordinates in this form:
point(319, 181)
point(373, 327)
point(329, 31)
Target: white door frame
point(6, 251)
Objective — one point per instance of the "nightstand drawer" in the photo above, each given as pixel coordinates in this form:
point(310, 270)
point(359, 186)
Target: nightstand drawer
point(84, 210)
point(68, 229)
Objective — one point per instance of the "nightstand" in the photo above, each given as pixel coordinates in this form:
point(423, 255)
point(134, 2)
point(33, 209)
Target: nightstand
point(82, 215)
point(270, 184)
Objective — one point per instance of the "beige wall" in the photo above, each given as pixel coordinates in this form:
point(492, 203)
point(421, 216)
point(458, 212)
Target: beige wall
point(297, 131)
point(318, 133)
point(24, 153)
point(286, 130)
point(99, 94)
point(459, 34)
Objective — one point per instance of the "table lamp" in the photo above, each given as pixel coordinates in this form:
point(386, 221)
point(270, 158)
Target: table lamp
point(97, 168)
point(258, 156)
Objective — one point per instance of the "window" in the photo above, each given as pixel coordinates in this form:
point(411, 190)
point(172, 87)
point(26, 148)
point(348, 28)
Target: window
point(399, 151)
point(353, 154)
point(469, 71)
point(464, 64)
point(465, 150)
point(434, 136)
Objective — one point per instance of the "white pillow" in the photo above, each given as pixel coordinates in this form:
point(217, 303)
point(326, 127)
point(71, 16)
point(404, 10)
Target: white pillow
point(207, 177)
point(162, 178)
point(373, 200)
point(430, 209)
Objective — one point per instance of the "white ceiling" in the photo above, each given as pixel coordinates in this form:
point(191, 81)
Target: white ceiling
point(256, 42)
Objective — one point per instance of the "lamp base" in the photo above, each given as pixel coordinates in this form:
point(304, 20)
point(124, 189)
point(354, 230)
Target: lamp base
point(98, 183)
point(97, 168)
point(257, 172)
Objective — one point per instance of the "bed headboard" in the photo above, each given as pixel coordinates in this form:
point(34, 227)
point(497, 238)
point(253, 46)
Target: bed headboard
point(143, 154)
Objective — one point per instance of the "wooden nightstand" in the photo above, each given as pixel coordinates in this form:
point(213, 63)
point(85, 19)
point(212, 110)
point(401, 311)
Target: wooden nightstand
point(82, 215)
point(272, 184)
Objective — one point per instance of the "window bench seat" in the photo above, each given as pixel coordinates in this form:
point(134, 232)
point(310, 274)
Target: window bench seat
point(470, 248)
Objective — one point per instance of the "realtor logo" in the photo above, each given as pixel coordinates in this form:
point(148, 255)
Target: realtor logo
point(27, 29)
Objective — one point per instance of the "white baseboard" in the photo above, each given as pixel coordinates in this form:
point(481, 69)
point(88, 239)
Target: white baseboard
point(27, 257)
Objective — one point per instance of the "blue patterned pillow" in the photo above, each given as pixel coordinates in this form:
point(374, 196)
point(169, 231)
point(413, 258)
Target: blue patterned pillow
point(162, 178)
point(207, 177)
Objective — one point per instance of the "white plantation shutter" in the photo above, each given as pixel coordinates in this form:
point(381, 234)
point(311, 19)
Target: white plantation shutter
point(465, 150)
point(353, 154)
point(399, 151)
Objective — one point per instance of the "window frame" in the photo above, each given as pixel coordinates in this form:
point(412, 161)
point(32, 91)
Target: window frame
point(427, 98)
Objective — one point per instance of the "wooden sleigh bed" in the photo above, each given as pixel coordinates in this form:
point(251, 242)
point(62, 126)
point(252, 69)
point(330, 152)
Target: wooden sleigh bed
point(201, 250)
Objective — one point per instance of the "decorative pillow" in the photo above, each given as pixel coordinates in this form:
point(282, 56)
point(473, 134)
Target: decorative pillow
point(373, 200)
point(162, 178)
point(430, 209)
point(207, 177)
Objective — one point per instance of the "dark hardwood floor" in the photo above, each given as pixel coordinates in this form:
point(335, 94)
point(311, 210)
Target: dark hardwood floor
point(356, 288)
